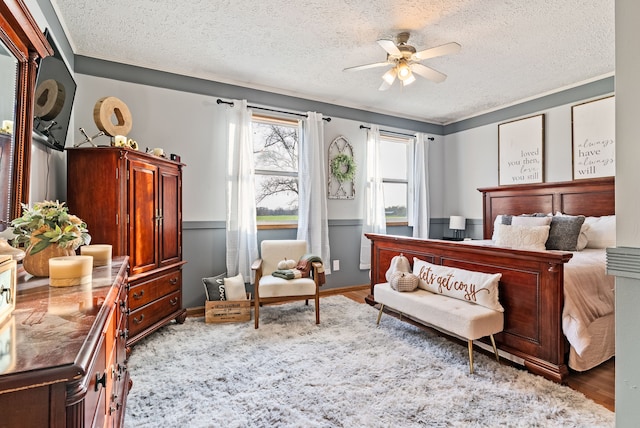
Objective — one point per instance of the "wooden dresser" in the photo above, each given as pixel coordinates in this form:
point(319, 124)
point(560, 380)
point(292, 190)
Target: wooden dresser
point(133, 200)
point(62, 352)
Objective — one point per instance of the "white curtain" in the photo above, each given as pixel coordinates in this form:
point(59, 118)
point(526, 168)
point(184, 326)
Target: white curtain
point(313, 225)
point(373, 220)
point(419, 216)
point(242, 230)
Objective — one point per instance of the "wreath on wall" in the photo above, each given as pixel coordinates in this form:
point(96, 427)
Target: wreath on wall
point(343, 167)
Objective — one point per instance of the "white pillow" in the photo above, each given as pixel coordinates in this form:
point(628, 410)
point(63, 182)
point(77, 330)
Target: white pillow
point(496, 222)
point(601, 232)
point(530, 221)
point(523, 237)
point(474, 287)
point(234, 288)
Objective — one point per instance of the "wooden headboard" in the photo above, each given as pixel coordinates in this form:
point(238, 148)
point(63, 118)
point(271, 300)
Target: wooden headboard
point(589, 197)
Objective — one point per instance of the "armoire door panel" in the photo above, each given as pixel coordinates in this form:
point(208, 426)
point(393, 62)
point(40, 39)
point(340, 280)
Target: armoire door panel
point(143, 216)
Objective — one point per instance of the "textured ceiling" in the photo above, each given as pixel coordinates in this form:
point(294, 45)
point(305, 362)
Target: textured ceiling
point(511, 49)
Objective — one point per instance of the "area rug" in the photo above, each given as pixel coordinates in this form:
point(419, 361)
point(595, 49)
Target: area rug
point(345, 372)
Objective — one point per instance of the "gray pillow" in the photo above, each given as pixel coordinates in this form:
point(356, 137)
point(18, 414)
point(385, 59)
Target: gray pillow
point(506, 219)
point(214, 287)
point(564, 232)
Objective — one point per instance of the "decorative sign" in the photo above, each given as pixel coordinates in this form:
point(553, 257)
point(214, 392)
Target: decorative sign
point(594, 128)
point(521, 151)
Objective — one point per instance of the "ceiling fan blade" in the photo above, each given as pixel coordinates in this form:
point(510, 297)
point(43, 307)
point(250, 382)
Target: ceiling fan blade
point(390, 47)
point(366, 66)
point(428, 73)
point(446, 49)
point(385, 85)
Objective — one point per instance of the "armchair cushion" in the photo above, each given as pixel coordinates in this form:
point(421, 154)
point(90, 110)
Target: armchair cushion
point(271, 286)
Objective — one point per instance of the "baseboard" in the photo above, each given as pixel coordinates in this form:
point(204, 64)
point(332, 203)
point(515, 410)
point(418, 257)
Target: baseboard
point(198, 311)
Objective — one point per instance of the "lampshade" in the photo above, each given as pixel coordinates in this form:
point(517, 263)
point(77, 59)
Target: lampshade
point(457, 222)
point(409, 80)
point(390, 76)
point(404, 72)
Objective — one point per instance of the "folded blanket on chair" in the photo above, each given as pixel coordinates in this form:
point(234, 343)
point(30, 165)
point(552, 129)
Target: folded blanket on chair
point(287, 273)
point(305, 264)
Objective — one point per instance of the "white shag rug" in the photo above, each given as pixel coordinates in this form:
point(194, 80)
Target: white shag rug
point(345, 372)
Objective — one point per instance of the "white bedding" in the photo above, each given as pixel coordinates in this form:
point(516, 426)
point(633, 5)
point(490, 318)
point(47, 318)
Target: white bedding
point(589, 309)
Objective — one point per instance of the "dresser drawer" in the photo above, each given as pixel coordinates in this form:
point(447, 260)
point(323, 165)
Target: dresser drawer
point(152, 289)
point(150, 314)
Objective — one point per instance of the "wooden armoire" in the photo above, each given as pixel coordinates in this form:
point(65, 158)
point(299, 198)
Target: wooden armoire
point(133, 201)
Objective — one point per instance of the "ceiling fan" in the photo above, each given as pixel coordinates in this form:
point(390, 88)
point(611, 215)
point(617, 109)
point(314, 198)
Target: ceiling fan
point(406, 61)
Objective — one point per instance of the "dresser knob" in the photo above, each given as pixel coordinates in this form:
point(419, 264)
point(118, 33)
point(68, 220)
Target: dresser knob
point(137, 320)
point(138, 296)
point(174, 301)
point(173, 281)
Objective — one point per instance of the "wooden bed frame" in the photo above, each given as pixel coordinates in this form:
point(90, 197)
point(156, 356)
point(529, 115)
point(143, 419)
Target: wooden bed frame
point(531, 287)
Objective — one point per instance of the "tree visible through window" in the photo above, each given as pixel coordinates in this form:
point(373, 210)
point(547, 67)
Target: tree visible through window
point(275, 148)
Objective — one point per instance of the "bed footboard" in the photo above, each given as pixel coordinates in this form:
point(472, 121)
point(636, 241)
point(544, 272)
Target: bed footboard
point(530, 291)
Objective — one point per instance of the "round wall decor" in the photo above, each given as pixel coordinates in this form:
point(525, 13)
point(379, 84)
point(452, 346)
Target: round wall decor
point(105, 110)
point(49, 99)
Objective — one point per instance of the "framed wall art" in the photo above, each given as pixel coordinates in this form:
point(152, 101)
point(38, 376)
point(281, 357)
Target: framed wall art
point(521, 151)
point(593, 138)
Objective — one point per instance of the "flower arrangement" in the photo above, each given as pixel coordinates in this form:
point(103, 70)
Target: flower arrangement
point(49, 223)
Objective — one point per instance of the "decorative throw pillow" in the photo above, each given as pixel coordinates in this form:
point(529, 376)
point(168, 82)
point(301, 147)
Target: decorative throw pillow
point(234, 288)
point(404, 281)
point(214, 287)
point(398, 264)
point(523, 237)
point(475, 287)
point(530, 220)
point(564, 232)
point(602, 231)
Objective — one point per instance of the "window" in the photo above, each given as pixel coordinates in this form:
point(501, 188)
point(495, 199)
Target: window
point(395, 169)
point(275, 155)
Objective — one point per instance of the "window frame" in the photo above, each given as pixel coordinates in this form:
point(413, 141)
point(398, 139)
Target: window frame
point(409, 142)
point(285, 121)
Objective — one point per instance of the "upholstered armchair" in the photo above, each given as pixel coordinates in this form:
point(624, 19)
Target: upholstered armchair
point(271, 289)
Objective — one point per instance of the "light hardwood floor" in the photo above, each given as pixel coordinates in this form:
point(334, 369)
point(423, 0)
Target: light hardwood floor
point(598, 383)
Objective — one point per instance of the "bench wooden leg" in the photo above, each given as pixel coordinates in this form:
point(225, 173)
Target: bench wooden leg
point(495, 350)
point(470, 356)
point(380, 313)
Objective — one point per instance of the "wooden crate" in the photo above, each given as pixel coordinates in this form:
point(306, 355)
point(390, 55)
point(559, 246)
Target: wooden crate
point(218, 311)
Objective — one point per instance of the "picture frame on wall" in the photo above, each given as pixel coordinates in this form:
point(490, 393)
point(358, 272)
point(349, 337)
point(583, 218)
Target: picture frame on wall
point(521, 151)
point(593, 138)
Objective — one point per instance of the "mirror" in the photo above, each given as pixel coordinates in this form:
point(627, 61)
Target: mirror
point(22, 45)
point(8, 74)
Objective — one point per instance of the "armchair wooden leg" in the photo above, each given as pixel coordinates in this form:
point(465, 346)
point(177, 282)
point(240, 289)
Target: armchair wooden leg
point(256, 312)
point(317, 309)
point(470, 356)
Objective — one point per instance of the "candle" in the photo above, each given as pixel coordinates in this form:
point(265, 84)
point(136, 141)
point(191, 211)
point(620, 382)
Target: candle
point(101, 253)
point(119, 140)
point(7, 126)
point(70, 270)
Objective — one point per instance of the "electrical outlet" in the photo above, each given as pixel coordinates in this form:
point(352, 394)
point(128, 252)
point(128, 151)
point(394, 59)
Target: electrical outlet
point(336, 265)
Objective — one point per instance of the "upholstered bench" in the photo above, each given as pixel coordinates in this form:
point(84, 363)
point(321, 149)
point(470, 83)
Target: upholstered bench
point(448, 314)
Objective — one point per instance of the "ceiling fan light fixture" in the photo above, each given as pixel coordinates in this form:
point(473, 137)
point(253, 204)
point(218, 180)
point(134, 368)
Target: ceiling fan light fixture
point(409, 80)
point(390, 75)
point(404, 71)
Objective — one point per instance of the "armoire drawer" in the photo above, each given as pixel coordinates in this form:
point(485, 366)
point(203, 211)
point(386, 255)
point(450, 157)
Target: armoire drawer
point(147, 291)
point(144, 317)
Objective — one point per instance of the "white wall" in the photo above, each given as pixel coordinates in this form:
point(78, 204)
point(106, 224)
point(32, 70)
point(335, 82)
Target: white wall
point(627, 209)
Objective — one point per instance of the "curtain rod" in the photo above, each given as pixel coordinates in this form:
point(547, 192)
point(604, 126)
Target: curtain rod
point(394, 132)
point(219, 101)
